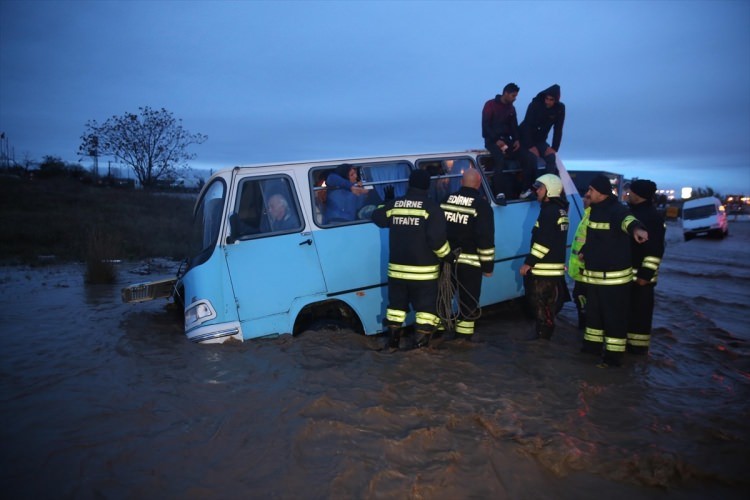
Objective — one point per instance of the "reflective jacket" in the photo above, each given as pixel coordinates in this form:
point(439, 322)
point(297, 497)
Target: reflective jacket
point(417, 239)
point(647, 256)
point(471, 227)
point(548, 239)
point(575, 265)
point(606, 253)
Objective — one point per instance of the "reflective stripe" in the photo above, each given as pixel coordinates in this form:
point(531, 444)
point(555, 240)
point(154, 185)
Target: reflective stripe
point(599, 225)
point(465, 327)
point(608, 277)
point(423, 318)
point(395, 315)
point(470, 259)
point(539, 251)
point(651, 262)
point(638, 339)
point(548, 269)
point(486, 254)
point(463, 210)
point(627, 221)
point(414, 212)
point(415, 273)
point(652, 280)
point(563, 220)
point(443, 250)
point(593, 335)
point(615, 344)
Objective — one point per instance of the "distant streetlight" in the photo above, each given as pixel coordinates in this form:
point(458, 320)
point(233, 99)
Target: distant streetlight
point(687, 192)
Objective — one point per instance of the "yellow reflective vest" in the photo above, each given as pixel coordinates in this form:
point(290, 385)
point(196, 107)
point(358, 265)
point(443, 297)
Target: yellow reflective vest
point(575, 266)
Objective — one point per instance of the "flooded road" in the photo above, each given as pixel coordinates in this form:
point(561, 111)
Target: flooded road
point(108, 400)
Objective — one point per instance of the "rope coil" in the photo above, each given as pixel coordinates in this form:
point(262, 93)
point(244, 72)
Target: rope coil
point(448, 288)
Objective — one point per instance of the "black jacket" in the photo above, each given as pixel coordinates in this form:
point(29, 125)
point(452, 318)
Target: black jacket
point(647, 256)
point(548, 240)
point(417, 232)
point(471, 227)
point(608, 236)
point(540, 119)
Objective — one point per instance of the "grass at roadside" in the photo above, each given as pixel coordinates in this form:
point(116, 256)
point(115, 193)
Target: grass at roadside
point(68, 220)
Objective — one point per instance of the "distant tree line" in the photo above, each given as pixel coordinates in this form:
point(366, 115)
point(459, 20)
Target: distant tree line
point(49, 167)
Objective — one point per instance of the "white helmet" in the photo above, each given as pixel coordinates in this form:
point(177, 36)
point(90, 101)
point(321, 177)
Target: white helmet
point(552, 183)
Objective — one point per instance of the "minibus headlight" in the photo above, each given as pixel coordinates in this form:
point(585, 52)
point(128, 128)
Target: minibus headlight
point(197, 313)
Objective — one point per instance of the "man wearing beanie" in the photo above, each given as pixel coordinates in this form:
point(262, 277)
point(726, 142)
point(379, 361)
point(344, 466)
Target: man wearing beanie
point(544, 112)
point(545, 264)
point(646, 261)
point(608, 272)
point(417, 244)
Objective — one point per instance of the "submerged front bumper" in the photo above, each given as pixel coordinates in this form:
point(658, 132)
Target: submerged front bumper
point(215, 334)
point(200, 312)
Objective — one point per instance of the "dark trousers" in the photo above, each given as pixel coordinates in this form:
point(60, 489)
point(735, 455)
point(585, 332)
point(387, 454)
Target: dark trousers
point(505, 182)
point(530, 172)
point(469, 284)
point(543, 296)
point(640, 318)
point(579, 296)
point(607, 309)
point(421, 295)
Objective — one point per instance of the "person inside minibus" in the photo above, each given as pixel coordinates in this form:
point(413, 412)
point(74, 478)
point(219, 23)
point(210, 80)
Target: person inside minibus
point(281, 216)
point(345, 194)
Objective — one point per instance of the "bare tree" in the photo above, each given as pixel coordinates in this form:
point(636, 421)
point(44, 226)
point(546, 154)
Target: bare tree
point(152, 143)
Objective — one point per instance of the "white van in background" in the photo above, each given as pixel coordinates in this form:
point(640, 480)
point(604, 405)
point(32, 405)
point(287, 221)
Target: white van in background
point(704, 216)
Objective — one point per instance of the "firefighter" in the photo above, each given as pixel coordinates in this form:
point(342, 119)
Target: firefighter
point(575, 264)
point(545, 264)
point(471, 228)
point(417, 244)
point(646, 262)
point(608, 272)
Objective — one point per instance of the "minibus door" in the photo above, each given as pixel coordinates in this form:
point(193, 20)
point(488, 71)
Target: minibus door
point(272, 260)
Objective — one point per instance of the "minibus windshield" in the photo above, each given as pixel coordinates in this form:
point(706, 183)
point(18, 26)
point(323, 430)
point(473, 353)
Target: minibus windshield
point(699, 212)
point(206, 223)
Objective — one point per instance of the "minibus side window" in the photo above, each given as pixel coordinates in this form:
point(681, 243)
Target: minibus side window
point(206, 223)
point(446, 176)
point(335, 205)
point(265, 206)
point(508, 182)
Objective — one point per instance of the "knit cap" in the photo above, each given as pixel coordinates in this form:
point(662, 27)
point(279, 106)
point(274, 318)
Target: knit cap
point(601, 184)
point(643, 188)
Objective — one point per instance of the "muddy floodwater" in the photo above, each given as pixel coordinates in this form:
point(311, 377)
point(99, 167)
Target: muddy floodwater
point(102, 399)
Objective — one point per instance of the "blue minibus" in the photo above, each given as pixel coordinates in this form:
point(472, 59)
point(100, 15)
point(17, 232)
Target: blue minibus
point(266, 258)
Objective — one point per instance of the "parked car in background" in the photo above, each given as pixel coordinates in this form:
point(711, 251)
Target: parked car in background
point(704, 217)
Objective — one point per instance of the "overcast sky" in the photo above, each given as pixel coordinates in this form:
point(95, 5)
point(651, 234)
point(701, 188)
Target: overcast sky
point(656, 90)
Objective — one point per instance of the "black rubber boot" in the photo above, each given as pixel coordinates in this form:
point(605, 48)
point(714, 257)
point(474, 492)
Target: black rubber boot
point(422, 339)
point(545, 331)
point(611, 359)
point(394, 338)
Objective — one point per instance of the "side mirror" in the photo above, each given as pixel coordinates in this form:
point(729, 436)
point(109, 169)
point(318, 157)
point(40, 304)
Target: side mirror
point(500, 199)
